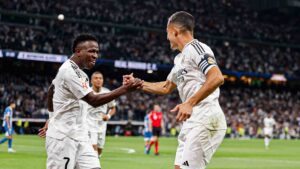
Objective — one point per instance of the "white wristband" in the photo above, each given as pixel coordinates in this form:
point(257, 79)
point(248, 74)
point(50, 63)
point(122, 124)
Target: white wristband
point(109, 116)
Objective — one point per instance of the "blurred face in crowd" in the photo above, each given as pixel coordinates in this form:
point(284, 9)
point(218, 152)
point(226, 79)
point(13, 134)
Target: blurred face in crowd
point(13, 105)
point(97, 80)
point(269, 115)
point(156, 108)
point(88, 52)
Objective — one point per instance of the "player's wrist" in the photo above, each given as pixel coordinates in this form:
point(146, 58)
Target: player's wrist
point(191, 103)
point(108, 116)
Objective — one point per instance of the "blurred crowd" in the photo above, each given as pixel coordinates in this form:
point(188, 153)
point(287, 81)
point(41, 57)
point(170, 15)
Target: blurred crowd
point(230, 18)
point(221, 17)
point(244, 108)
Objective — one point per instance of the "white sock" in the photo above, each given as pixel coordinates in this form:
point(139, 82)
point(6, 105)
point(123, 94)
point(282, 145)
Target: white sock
point(267, 141)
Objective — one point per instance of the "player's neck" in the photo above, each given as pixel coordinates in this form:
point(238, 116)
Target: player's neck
point(96, 89)
point(77, 61)
point(184, 40)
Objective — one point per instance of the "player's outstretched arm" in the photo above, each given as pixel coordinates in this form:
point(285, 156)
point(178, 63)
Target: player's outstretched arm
point(214, 79)
point(100, 99)
point(161, 88)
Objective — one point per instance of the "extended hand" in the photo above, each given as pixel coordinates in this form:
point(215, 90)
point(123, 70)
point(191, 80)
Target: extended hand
point(184, 111)
point(134, 84)
point(127, 79)
point(105, 117)
point(42, 132)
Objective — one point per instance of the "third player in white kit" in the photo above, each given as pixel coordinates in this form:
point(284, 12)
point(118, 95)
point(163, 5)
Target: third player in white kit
point(269, 123)
point(197, 78)
point(97, 117)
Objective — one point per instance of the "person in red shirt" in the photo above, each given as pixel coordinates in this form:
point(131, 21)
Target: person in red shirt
point(157, 124)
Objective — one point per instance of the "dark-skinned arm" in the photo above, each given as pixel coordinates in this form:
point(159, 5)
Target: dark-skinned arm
point(100, 99)
point(42, 131)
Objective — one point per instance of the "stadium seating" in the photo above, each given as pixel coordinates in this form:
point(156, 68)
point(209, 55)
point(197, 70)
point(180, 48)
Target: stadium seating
point(52, 36)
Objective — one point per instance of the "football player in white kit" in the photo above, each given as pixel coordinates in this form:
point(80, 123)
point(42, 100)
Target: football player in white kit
point(269, 123)
point(197, 78)
point(97, 117)
point(67, 141)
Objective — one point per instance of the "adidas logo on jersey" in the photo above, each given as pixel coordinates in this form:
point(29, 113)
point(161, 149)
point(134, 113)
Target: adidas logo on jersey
point(186, 163)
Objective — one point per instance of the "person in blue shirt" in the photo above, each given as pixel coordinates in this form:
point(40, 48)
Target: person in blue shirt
point(7, 125)
point(147, 131)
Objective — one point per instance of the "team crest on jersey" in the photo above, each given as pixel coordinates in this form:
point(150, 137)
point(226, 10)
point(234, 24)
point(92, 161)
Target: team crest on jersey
point(84, 82)
point(210, 59)
point(84, 85)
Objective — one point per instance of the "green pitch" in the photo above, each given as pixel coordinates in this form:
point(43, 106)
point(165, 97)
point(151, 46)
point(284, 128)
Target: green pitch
point(127, 153)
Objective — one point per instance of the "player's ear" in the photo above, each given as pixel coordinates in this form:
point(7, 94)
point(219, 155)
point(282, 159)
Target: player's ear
point(77, 51)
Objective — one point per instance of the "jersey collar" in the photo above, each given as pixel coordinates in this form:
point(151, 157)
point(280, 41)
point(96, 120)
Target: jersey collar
point(187, 44)
point(73, 64)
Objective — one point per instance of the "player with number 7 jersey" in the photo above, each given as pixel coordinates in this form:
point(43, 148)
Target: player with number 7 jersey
point(67, 141)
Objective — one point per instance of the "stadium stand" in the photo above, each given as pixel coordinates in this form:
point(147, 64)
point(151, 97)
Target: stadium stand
point(124, 40)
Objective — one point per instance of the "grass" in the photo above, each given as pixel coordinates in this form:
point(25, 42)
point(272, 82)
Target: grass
point(233, 154)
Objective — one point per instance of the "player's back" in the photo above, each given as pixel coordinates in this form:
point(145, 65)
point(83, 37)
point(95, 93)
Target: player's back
point(189, 74)
point(191, 66)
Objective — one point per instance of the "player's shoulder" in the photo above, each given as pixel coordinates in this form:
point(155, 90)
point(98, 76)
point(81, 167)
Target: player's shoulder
point(196, 47)
point(177, 58)
point(69, 69)
point(65, 69)
point(7, 109)
point(105, 90)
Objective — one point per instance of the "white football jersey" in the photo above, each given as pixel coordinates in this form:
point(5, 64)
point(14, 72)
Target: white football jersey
point(188, 73)
point(269, 122)
point(94, 117)
point(68, 119)
point(190, 68)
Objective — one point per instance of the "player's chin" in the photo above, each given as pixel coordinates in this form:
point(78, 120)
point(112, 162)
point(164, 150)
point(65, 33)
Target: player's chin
point(173, 47)
point(90, 65)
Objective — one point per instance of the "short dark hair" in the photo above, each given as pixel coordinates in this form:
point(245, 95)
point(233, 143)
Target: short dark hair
point(11, 102)
point(82, 38)
point(97, 72)
point(183, 19)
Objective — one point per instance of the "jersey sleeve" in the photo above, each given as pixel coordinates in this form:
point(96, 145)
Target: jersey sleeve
point(78, 85)
point(112, 104)
point(204, 60)
point(7, 113)
point(172, 75)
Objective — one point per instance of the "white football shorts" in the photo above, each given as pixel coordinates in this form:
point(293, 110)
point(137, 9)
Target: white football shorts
point(268, 131)
point(197, 146)
point(98, 138)
point(67, 153)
